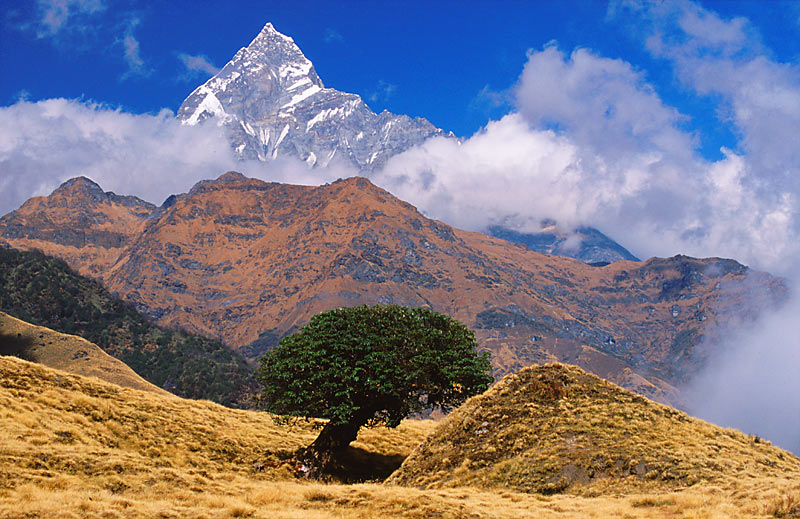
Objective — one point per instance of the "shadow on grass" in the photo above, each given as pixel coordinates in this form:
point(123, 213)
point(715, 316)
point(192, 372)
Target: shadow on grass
point(15, 345)
point(355, 465)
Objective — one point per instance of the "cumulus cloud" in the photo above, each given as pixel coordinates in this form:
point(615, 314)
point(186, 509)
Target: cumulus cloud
point(603, 104)
point(197, 64)
point(43, 144)
point(592, 143)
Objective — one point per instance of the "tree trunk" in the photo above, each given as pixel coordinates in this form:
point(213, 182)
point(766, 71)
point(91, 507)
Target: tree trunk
point(319, 457)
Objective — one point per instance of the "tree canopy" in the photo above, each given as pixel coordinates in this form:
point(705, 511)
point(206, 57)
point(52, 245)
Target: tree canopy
point(371, 365)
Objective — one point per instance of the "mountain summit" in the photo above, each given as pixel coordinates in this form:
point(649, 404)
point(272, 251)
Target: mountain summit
point(273, 104)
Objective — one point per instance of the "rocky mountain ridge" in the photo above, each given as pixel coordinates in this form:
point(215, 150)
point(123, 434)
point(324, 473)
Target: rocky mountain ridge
point(80, 221)
point(247, 262)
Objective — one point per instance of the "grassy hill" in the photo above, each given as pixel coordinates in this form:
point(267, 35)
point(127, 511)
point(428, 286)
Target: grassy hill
point(66, 352)
point(44, 291)
point(75, 447)
point(555, 428)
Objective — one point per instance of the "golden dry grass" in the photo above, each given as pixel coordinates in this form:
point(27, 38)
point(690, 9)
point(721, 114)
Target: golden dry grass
point(555, 428)
point(67, 352)
point(73, 447)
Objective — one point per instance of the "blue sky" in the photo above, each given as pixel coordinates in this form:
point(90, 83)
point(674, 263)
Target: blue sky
point(448, 61)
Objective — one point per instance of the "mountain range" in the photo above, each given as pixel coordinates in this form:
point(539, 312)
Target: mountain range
point(273, 104)
point(247, 262)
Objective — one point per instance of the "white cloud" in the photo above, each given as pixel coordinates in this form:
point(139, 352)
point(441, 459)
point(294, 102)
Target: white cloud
point(593, 144)
point(132, 53)
point(151, 156)
point(752, 384)
point(603, 104)
point(507, 171)
point(58, 15)
point(197, 64)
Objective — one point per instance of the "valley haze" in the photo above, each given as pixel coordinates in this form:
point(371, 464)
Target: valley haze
point(678, 139)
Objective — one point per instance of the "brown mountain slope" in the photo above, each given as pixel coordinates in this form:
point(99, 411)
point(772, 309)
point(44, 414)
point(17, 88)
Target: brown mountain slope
point(556, 428)
point(78, 222)
point(66, 352)
point(243, 261)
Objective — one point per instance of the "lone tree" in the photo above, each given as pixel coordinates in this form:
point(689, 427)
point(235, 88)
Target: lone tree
point(370, 365)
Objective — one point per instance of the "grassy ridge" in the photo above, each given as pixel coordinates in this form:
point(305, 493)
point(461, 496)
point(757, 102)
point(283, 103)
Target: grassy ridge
point(44, 291)
point(556, 428)
point(68, 353)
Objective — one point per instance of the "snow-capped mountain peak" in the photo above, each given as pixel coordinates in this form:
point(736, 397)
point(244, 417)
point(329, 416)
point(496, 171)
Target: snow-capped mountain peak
point(273, 103)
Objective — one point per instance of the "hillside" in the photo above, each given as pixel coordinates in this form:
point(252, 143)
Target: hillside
point(44, 291)
point(247, 262)
point(78, 221)
point(80, 448)
point(67, 353)
point(556, 428)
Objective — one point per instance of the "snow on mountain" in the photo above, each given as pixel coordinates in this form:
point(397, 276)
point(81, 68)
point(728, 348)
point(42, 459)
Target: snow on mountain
point(273, 103)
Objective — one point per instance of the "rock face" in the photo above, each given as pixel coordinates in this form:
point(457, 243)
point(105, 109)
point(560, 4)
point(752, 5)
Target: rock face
point(552, 429)
point(248, 262)
point(273, 104)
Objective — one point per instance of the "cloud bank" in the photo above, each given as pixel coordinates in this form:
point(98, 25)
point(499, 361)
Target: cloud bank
point(591, 142)
point(752, 384)
point(43, 144)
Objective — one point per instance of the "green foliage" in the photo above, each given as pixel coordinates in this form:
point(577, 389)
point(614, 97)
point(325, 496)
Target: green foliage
point(44, 291)
point(373, 365)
